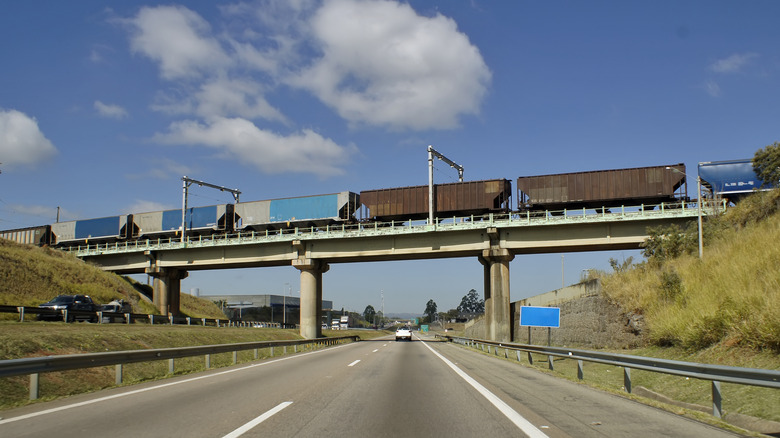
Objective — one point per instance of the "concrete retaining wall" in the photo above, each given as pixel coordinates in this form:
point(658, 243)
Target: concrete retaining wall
point(587, 320)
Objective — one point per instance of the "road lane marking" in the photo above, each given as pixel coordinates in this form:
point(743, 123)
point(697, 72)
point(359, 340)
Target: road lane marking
point(375, 350)
point(353, 363)
point(248, 426)
point(164, 385)
point(523, 424)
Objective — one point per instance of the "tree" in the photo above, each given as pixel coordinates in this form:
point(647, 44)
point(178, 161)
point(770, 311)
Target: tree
point(766, 163)
point(621, 267)
point(471, 303)
point(369, 314)
point(430, 310)
point(666, 243)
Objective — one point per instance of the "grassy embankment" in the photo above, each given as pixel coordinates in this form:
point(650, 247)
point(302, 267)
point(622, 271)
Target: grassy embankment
point(722, 309)
point(30, 276)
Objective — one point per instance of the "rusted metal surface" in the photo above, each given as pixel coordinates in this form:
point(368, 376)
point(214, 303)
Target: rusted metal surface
point(602, 188)
point(453, 199)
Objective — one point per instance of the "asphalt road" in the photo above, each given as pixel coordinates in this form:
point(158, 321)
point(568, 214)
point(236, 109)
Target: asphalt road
point(378, 388)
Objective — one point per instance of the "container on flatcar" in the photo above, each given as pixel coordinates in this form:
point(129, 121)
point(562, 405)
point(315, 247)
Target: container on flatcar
point(452, 199)
point(104, 229)
point(199, 220)
point(30, 236)
point(602, 188)
point(317, 210)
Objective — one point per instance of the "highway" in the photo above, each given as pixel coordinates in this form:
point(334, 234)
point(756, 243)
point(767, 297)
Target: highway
point(378, 388)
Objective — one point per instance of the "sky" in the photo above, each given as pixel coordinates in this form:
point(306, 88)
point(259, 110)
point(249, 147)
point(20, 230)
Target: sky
point(104, 106)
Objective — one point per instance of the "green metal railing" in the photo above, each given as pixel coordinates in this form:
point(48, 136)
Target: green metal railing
point(372, 229)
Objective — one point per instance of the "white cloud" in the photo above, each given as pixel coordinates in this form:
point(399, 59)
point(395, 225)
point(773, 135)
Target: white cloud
point(223, 98)
point(712, 88)
point(21, 141)
point(110, 111)
point(374, 62)
point(306, 151)
point(162, 168)
point(382, 64)
point(733, 63)
point(179, 39)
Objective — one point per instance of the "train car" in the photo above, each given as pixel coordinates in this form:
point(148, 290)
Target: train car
point(452, 199)
point(602, 188)
point(29, 236)
point(732, 179)
point(304, 211)
point(105, 229)
point(199, 221)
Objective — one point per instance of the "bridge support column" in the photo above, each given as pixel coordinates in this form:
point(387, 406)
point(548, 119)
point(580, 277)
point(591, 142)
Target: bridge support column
point(498, 315)
point(167, 288)
point(311, 296)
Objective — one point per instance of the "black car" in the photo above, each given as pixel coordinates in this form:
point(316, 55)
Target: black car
point(78, 306)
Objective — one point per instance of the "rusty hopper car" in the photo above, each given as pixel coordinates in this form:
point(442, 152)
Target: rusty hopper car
point(602, 188)
point(453, 199)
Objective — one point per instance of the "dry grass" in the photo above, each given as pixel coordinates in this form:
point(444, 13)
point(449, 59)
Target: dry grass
point(731, 297)
point(30, 276)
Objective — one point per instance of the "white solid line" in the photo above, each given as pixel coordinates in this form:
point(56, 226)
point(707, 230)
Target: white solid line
point(353, 363)
point(248, 426)
point(164, 385)
point(523, 424)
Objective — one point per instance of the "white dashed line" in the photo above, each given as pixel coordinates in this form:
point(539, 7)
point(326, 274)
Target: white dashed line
point(353, 363)
point(248, 426)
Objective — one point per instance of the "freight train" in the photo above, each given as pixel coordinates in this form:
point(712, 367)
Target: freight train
point(598, 189)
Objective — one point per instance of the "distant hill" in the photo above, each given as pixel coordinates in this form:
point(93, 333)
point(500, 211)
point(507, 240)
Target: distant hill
point(31, 275)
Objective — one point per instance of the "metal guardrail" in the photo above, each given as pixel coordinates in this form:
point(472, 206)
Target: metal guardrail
point(36, 365)
point(455, 223)
point(714, 373)
point(129, 318)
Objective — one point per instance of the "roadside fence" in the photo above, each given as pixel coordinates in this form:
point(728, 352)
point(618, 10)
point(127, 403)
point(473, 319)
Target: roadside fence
point(713, 373)
point(33, 366)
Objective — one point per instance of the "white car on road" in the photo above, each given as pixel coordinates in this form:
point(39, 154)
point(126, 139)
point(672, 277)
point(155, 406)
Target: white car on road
point(403, 333)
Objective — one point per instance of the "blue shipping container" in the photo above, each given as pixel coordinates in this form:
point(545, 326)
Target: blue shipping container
point(310, 207)
point(94, 228)
point(729, 177)
point(197, 217)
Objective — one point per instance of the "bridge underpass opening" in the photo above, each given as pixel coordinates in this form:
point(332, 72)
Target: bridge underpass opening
point(406, 285)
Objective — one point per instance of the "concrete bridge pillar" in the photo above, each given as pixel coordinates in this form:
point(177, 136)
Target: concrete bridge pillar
point(498, 315)
point(167, 288)
point(311, 296)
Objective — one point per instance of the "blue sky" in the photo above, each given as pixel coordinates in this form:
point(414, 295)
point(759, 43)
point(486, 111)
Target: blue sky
point(104, 106)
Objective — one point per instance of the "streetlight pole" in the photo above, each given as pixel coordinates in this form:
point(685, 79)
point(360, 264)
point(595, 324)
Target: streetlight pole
point(698, 207)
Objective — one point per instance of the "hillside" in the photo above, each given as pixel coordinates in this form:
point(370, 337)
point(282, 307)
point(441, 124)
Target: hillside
point(731, 297)
point(30, 276)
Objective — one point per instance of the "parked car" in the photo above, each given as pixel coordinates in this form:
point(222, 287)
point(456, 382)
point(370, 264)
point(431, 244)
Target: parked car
point(403, 333)
point(78, 306)
point(116, 306)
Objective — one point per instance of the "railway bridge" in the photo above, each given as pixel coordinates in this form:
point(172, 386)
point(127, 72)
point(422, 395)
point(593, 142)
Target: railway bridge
point(492, 240)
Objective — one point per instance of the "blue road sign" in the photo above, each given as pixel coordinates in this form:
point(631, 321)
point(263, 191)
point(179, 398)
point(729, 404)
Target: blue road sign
point(540, 316)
